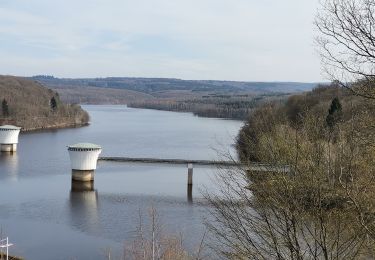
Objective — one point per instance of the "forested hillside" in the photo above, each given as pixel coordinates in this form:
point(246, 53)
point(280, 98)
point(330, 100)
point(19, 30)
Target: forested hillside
point(28, 104)
point(316, 200)
point(219, 106)
point(296, 111)
point(209, 98)
point(98, 96)
point(161, 86)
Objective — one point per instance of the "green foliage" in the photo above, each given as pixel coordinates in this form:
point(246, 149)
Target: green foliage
point(5, 108)
point(53, 104)
point(334, 113)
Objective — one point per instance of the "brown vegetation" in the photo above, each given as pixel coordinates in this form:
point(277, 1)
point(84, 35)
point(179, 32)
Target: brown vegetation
point(292, 112)
point(322, 205)
point(32, 106)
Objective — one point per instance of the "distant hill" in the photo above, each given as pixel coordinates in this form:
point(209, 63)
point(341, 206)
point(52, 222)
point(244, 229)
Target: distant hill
point(32, 106)
point(134, 89)
point(95, 95)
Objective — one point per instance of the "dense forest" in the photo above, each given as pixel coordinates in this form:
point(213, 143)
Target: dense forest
point(293, 113)
point(219, 106)
point(28, 104)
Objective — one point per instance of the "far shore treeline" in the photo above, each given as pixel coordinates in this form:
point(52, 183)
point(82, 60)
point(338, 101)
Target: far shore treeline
point(206, 98)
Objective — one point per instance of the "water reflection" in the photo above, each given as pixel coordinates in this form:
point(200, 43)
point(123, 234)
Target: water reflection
point(84, 206)
point(9, 166)
point(190, 194)
point(86, 217)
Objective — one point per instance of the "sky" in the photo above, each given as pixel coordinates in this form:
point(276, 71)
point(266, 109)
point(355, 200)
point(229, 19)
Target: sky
point(242, 40)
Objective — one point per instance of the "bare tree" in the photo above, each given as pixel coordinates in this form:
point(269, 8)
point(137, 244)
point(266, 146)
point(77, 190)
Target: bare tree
point(347, 43)
point(318, 207)
point(151, 242)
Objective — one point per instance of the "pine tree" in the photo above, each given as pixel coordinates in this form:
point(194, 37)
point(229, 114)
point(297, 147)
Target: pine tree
point(334, 113)
point(53, 104)
point(5, 108)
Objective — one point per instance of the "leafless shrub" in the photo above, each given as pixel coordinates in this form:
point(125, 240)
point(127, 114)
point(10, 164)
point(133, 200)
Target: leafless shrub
point(151, 242)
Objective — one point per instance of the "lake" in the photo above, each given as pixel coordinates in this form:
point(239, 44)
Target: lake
point(46, 218)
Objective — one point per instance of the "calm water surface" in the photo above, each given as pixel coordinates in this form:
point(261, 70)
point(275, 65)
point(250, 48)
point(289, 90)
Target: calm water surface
point(46, 219)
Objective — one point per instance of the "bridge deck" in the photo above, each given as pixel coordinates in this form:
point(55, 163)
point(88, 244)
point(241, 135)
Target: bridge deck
point(169, 161)
point(252, 166)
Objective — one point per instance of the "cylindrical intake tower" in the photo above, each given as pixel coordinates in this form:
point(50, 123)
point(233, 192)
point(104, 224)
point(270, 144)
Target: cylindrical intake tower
point(9, 138)
point(83, 159)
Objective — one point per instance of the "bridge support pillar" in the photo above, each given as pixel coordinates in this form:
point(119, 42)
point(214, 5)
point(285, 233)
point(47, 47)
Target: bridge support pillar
point(190, 174)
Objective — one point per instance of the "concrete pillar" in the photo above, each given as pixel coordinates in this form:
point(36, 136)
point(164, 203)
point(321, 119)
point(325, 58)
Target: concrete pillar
point(79, 186)
point(190, 174)
point(83, 175)
point(9, 147)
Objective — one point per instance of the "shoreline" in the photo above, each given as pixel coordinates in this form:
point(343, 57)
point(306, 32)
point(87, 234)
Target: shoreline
point(54, 127)
point(215, 116)
point(166, 110)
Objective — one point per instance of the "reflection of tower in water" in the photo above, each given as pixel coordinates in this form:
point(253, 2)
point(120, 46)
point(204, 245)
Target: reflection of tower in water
point(9, 166)
point(84, 206)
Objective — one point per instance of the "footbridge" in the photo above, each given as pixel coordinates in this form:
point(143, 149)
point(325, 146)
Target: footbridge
point(254, 166)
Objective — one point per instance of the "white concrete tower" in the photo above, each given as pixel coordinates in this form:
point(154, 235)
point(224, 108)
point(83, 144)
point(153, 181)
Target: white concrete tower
point(9, 138)
point(83, 159)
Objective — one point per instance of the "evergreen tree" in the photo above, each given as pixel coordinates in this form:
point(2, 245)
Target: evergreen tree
point(5, 108)
point(334, 113)
point(53, 104)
